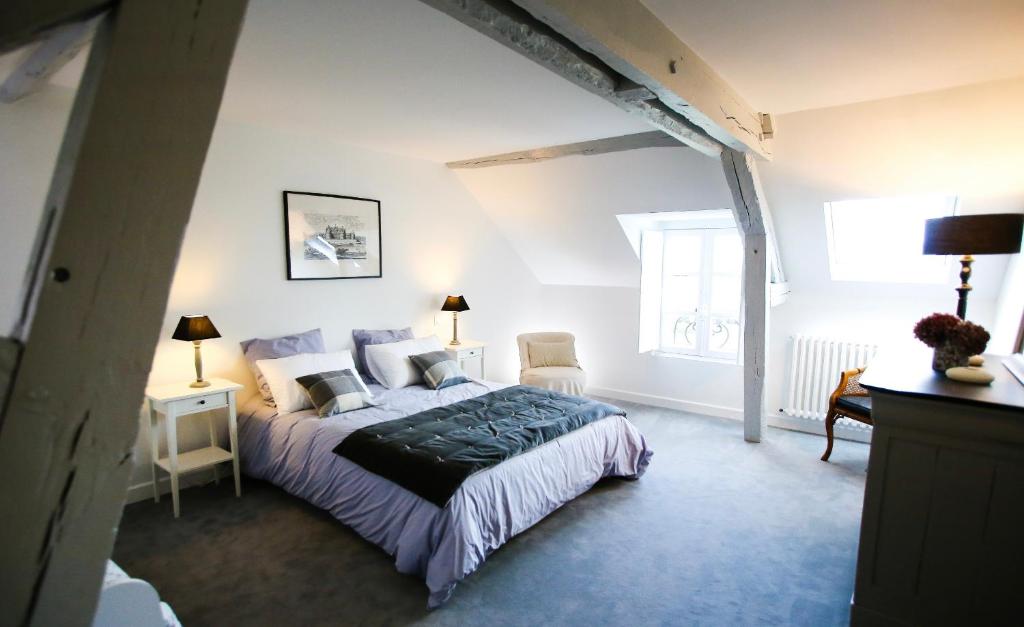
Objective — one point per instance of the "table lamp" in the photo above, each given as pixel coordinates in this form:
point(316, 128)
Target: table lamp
point(987, 234)
point(455, 304)
point(195, 328)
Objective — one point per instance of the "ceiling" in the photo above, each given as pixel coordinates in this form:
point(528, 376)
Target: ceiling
point(399, 77)
point(791, 55)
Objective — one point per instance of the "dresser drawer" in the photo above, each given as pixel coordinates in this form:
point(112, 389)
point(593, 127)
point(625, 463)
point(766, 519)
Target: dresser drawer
point(203, 403)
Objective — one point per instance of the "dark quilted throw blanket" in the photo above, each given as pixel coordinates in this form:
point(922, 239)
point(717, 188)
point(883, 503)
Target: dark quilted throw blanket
point(431, 453)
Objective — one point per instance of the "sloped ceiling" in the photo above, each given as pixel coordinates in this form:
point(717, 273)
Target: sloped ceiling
point(559, 215)
point(794, 55)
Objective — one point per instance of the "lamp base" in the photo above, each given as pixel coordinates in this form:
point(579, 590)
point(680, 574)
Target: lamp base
point(454, 343)
point(199, 384)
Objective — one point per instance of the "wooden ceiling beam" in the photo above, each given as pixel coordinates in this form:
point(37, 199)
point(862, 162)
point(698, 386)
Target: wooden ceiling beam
point(57, 48)
point(632, 41)
point(23, 23)
point(653, 139)
point(513, 27)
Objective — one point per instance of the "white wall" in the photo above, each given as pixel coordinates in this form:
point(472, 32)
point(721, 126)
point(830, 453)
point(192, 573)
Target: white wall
point(560, 214)
point(436, 242)
point(962, 141)
point(560, 217)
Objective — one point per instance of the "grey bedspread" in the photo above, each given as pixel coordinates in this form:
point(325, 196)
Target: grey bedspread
point(442, 545)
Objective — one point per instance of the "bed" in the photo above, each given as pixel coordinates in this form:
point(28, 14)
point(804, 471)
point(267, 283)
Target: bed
point(440, 545)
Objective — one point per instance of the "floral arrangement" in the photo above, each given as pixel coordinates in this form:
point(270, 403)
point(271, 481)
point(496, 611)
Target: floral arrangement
point(935, 330)
point(953, 339)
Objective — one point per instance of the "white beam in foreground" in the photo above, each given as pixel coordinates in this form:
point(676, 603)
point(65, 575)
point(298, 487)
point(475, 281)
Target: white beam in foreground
point(53, 53)
point(103, 262)
point(626, 36)
point(653, 139)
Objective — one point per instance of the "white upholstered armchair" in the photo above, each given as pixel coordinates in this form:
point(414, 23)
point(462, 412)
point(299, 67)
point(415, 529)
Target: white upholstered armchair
point(548, 361)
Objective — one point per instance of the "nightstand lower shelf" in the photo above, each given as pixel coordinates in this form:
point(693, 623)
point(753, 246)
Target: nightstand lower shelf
point(197, 459)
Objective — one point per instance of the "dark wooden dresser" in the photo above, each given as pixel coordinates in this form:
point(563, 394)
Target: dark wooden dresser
point(942, 535)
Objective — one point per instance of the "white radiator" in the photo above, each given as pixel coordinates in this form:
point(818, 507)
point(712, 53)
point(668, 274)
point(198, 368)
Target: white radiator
point(814, 369)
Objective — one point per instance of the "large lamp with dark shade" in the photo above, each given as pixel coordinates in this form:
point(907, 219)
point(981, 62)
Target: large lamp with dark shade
point(455, 304)
point(988, 234)
point(195, 329)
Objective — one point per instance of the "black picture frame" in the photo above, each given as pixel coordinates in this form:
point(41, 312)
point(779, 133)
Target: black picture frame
point(304, 264)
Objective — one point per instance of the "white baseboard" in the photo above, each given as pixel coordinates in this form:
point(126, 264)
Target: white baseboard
point(142, 491)
point(669, 403)
point(817, 427)
point(706, 409)
point(781, 421)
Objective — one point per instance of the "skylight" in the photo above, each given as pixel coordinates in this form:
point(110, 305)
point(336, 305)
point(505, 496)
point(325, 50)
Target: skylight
point(880, 239)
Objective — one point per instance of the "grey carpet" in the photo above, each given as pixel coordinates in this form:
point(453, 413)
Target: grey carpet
point(718, 532)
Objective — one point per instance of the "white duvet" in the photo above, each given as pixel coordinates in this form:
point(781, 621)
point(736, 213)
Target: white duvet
point(441, 545)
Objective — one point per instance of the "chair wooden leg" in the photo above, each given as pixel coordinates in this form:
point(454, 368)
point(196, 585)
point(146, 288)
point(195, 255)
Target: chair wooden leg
point(830, 421)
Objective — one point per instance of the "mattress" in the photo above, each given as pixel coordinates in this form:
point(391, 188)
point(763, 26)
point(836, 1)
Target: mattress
point(440, 545)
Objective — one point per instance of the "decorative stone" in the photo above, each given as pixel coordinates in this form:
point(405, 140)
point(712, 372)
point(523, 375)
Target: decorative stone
point(970, 374)
point(976, 360)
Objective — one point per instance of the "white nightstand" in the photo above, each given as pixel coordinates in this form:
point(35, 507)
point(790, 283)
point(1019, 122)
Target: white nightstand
point(177, 400)
point(468, 353)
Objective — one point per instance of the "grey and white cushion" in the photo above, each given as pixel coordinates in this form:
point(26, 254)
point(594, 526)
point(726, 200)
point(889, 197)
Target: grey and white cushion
point(275, 348)
point(282, 376)
point(335, 392)
point(439, 369)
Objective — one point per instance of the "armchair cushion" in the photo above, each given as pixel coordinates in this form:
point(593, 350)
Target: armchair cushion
point(548, 354)
point(561, 379)
point(857, 404)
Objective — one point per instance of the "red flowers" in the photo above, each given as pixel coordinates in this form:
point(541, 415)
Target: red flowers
point(940, 328)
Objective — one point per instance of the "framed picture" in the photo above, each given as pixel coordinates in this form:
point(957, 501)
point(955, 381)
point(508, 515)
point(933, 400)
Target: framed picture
point(331, 237)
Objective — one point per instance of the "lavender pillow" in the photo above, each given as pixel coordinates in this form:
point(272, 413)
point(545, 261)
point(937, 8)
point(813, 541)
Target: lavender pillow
point(274, 348)
point(366, 337)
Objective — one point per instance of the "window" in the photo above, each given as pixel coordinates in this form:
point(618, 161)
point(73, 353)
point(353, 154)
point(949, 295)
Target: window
point(881, 239)
point(690, 292)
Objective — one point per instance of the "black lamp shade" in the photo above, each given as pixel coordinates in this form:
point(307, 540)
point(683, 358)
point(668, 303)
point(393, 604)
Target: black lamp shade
point(988, 234)
point(455, 303)
point(195, 327)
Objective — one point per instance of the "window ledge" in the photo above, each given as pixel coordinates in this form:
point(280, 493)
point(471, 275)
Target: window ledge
point(714, 360)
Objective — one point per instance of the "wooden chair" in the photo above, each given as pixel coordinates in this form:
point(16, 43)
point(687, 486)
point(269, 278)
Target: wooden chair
point(849, 400)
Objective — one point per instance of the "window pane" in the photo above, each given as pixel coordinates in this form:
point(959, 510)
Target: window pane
point(724, 335)
point(679, 331)
point(727, 257)
point(681, 293)
point(725, 295)
point(682, 252)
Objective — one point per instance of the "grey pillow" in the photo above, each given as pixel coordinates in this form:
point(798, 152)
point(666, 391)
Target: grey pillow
point(335, 392)
point(275, 348)
point(439, 369)
point(366, 337)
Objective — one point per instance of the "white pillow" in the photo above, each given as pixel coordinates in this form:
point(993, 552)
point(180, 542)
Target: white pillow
point(390, 364)
point(280, 375)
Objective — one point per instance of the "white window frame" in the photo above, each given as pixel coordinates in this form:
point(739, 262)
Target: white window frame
point(646, 233)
